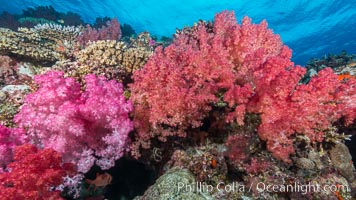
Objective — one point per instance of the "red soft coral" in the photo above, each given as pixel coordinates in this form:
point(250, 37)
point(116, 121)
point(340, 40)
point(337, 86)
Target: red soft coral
point(249, 67)
point(178, 85)
point(33, 174)
point(304, 109)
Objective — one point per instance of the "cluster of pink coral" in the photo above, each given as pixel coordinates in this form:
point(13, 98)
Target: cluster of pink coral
point(111, 31)
point(85, 127)
point(251, 68)
point(33, 175)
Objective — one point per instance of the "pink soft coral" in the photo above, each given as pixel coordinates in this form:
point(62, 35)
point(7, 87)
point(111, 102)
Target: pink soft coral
point(111, 31)
point(178, 86)
point(86, 127)
point(248, 67)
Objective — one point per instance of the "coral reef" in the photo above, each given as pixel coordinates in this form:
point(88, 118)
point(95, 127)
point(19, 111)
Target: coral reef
point(246, 177)
point(220, 112)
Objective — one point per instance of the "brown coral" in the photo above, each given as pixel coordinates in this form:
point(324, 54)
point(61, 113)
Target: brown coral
point(341, 160)
point(10, 102)
point(7, 70)
point(42, 43)
point(205, 162)
point(113, 59)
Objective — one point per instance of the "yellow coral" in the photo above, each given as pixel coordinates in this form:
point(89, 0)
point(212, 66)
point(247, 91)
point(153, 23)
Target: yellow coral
point(111, 58)
point(46, 42)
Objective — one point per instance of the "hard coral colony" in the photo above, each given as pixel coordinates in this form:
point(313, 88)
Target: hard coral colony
point(234, 83)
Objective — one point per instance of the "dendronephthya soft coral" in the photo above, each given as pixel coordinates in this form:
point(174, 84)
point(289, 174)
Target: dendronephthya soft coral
point(86, 127)
point(249, 69)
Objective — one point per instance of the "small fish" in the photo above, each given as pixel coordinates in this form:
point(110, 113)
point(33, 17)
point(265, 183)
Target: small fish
point(338, 192)
point(101, 180)
point(213, 163)
point(338, 195)
point(344, 76)
point(351, 64)
point(61, 21)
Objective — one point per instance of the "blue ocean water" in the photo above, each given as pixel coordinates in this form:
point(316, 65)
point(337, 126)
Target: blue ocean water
point(310, 28)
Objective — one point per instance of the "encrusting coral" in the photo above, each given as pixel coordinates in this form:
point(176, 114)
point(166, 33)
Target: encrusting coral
point(48, 42)
point(113, 59)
